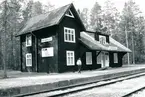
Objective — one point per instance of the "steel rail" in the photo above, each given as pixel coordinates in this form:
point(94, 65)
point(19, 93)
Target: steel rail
point(70, 89)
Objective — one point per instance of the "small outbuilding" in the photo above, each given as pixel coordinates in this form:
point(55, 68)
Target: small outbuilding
point(54, 41)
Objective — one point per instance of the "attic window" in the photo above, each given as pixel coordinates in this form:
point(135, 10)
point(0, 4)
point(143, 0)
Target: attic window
point(69, 14)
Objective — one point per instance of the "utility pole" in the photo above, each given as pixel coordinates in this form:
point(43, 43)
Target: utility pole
point(126, 32)
point(133, 58)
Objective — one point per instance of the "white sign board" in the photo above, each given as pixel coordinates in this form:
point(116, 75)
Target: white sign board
point(46, 39)
point(113, 48)
point(47, 52)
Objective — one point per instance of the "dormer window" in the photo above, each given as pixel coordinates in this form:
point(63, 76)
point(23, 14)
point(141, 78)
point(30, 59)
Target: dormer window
point(102, 39)
point(69, 14)
point(28, 40)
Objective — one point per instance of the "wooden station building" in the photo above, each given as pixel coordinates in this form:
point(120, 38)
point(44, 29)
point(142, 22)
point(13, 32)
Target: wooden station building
point(53, 42)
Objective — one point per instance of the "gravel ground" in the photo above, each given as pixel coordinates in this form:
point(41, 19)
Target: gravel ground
point(139, 94)
point(115, 90)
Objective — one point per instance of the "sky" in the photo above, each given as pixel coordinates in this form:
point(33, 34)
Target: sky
point(80, 4)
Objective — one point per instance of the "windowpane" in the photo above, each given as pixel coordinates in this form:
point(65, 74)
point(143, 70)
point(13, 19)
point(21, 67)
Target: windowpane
point(69, 35)
point(70, 57)
point(69, 60)
point(72, 60)
point(28, 59)
point(72, 37)
point(88, 58)
point(28, 40)
point(115, 58)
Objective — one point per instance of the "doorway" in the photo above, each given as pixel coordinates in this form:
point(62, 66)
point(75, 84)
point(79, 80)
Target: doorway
point(105, 59)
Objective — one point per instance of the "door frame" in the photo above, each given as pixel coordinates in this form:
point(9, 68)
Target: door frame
point(104, 62)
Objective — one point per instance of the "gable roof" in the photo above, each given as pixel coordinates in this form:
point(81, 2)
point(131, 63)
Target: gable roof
point(91, 43)
point(46, 20)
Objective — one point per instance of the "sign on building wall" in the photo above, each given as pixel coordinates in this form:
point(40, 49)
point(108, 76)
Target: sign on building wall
point(46, 39)
point(112, 48)
point(47, 52)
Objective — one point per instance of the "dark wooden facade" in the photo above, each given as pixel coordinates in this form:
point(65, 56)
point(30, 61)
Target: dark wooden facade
point(57, 62)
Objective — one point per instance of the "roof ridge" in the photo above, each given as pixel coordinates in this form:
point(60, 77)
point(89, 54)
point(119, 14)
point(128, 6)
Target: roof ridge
point(29, 25)
point(51, 10)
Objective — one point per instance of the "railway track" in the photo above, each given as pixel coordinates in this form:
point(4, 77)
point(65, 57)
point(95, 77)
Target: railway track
point(78, 88)
point(130, 94)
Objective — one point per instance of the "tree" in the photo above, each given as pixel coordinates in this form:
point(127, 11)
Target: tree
point(110, 18)
point(96, 17)
point(84, 17)
point(48, 7)
point(4, 37)
point(10, 19)
point(37, 9)
point(128, 24)
point(27, 12)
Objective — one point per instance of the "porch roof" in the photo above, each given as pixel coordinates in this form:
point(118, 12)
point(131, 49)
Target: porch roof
point(91, 43)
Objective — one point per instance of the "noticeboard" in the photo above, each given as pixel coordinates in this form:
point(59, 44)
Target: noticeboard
point(47, 52)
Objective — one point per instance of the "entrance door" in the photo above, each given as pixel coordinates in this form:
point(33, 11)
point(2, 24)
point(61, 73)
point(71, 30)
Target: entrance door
point(43, 64)
point(102, 60)
point(105, 59)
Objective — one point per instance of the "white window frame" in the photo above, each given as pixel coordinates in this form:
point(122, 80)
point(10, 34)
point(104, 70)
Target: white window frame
point(115, 57)
point(70, 58)
point(89, 58)
point(72, 16)
point(102, 39)
point(30, 58)
point(69, 35)
point(29, 36)
point(99, 58)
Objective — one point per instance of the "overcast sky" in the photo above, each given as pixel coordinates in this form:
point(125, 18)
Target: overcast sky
point(89, 3)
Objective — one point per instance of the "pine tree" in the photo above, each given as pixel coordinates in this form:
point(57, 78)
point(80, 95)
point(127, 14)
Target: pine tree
point(110, 18)
point(84, 17)
point(128, 26)
point(96, 17)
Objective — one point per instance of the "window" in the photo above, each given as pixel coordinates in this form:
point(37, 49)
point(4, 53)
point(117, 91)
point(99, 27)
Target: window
point(69, 35)
point(28, 40)
point(70, 58)
point(28, 59)
point(69, 14)
point(88, 58)
point(102, 39)
point(99, 59)
point(115, 58)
